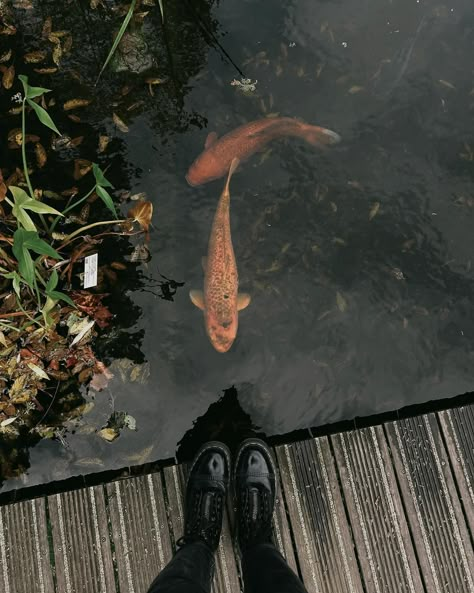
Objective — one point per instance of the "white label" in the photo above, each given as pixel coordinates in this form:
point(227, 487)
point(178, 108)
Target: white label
point(90, 270)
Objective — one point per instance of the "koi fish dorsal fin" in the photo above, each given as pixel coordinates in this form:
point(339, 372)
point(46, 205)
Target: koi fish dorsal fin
point(211, 138)
point(197, 298)
point(243, 300)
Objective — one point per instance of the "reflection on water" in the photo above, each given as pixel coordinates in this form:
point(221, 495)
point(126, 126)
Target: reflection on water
point(358, 259)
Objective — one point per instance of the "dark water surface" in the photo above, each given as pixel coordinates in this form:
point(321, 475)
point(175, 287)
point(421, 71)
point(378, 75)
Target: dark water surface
point(358, 259)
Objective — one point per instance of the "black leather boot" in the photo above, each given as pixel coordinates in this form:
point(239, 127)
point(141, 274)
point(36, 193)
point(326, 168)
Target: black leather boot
point(255, 491)
point(206, 493)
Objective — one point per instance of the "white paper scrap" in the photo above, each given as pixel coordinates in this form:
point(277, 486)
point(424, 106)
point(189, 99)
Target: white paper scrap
point(90, 270)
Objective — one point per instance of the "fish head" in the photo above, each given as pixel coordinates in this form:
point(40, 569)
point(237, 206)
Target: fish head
point(205, 168)
point(222, 330)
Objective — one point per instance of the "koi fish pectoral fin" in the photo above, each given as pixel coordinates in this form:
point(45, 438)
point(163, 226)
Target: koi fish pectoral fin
point(210, 140)
point(197, 298)
point(243, 300)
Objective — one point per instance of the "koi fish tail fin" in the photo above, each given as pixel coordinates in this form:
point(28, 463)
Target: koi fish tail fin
point(319, 136)
point(233, 166)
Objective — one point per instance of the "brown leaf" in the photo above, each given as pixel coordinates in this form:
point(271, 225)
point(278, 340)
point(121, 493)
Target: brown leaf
point(103, 143)
point(67, 45)
point(142, 213)
point(8, 77)
point(41, 156)
point(35, 57)
point(48, 25)
point(57, 53)
point(81, 168)
point(101, 377)
point(5, 56)
point(7, 29)
point(45, 70)
point(77, 141)
point(75, 103)
point(3, 187)
point(121, 125)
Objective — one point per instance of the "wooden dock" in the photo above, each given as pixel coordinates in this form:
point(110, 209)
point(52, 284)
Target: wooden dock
point(383, 509)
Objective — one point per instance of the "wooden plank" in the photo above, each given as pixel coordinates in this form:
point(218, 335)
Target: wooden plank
point(373, 501)
point(226, 579)
point(323, 542)
point(281, 529)
point(24, 549)
point(458, 430)
point(433, 509)
point(139, 530)
point(81, 543)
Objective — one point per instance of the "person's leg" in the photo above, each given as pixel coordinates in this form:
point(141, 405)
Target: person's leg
point(264, 568)
point(266, 571)
point(190, 571)
point(192, 568)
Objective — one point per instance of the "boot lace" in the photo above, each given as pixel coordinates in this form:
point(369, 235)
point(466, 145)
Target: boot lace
point(203, 518)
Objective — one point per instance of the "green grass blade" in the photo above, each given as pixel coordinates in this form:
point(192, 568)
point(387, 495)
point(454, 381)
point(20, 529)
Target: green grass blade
point(118, 38)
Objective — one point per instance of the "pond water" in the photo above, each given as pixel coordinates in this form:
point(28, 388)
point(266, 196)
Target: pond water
point(358, 258)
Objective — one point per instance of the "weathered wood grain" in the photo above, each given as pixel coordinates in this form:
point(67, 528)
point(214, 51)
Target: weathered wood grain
point(139, 530)
point(82, 552)
point(458, 430)
point(384, 548)
point(324, 545)
point(24, 549)
point(432, 505)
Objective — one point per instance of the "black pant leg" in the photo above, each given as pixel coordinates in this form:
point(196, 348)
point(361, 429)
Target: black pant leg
point(266, 571)
point(189, 571)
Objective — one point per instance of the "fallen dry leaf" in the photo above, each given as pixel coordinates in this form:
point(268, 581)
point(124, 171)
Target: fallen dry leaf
point(8, 77)
point(51, 70)
point(374, 210)
point(121, 125)
point(81, 168)
point(35, 57)
point(3, 187)
point(142, 213)
point(5, 56)
point(103, 143)
point(75, 104)
point(41, 156)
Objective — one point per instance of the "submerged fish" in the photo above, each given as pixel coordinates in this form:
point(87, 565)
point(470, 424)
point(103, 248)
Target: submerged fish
point(220, 300)
point(241, 143)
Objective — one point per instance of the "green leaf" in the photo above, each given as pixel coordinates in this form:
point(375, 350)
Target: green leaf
point(26, 267)
point(32, 91)
point(47, 308)
point(52, 282)
point(106, 198)
point(24, 202)
point(23, 218)
point(37, 206)
point(100, 177)
point(19, 195)
point(16, 281)
point(23, 239)
point(44, 116)
point(119, 36)
point(60, 296)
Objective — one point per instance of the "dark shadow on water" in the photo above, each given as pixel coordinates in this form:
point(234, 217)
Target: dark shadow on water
point(224, 421)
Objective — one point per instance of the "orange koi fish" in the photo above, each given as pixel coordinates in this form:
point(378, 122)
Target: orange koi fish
point(241, 143)
point(221, 300)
